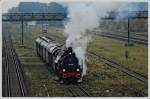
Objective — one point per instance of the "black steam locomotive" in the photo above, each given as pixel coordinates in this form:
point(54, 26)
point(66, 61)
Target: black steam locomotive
point(63, 60)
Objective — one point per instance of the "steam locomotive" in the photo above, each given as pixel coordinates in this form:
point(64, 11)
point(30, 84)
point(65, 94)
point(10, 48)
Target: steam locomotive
point(63, 60)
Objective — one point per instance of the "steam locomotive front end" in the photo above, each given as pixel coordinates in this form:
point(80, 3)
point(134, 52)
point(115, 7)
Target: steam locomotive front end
point(70, 68)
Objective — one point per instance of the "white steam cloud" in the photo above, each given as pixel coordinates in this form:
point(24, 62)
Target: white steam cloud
point(83, 16)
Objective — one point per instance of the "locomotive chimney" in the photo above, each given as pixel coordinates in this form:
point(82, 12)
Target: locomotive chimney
point(70, 49)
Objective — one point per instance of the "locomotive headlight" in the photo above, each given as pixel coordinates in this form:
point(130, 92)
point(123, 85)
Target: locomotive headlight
point(78, 69)
point(64, 70)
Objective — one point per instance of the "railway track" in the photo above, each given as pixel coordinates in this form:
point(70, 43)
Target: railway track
point(13, 79)
point(120, 37)
point(138, 92)
point(73, 90)
point(6, 75)
point(124, 88)
point(111, 63)
point(78, 91)
point(143, 35)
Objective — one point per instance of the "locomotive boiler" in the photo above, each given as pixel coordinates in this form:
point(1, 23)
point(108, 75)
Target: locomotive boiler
point(62, 60)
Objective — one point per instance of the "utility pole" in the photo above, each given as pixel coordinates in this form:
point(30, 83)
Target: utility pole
point(22, 40)
point(128, 30)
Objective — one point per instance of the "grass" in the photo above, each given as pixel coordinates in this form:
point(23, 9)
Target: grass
point(112, 79)
point(100, 80)
point(115, 49)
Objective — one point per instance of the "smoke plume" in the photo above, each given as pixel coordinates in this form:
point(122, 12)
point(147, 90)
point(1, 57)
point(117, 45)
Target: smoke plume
point(83, 16)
